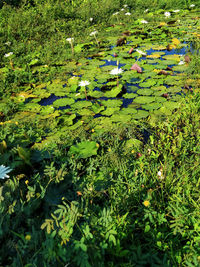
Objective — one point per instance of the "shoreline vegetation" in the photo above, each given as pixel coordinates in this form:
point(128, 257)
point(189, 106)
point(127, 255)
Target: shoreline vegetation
point(99, 133)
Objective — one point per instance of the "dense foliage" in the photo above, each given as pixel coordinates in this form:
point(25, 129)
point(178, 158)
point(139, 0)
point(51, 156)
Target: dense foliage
point(78, 191)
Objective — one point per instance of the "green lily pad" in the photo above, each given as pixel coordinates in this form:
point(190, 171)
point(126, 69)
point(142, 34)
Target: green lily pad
point(148, 83)
point(144, 92)
point(120, 117)
point(84, 149)
point(144, 99)
point(130, 95)
point(140, 114)
point(63, 102)
point(110, 111)
point(152, 106)
point(112, 103)
point(81, 104)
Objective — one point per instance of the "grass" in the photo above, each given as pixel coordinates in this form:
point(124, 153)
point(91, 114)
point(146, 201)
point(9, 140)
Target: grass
point(126, 194)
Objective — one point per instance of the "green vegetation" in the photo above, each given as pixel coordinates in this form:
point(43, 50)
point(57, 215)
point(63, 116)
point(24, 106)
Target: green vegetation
point(99, 133)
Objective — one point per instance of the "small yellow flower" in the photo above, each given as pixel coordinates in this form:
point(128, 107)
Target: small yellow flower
point(92, 130)
point(97, 145)
point(146, 203)
point(1, 123)
point(28, 237)
point(16, 123)
point(109, 149)
point(26, 182)
point(132, 151)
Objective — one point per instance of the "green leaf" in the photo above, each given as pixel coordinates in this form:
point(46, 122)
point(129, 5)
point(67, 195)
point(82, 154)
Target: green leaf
point(84, 149)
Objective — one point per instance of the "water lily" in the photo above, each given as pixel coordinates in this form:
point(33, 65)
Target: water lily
point(122, 9)
point(8, 43)
point(8, 54)
point(125, 5)
point(71, 40)
point(181, 62)
point(167, 14)
point(94, 34)
point(128, 14)
point(116, 71)
point(4, 172)
point(141, 52)
point(91, 19)
point(84, 84)
point(144, 21)
point(192, 5)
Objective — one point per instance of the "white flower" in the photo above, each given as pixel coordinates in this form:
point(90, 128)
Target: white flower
point(144, 21)
point(128, 14)
point(160, 175)
point(192, 5)
point(77, 94)
point(70, 40)
point(141, 52)
point(122, 9)
point(146, 10)
point(125, 5)
point(9, 54)
point(116, 71)
point(167, 14)
point(176, 11)
point(8, 43)
point(4, 172)
point(84, 83)
point(115, 13)
point(93, 33)
point(91, 19)
point(181, 62)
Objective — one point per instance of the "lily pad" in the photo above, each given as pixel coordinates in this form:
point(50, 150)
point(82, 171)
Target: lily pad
point(144, 99)
point(63, 102)
point(144, 92)
point(84, 149)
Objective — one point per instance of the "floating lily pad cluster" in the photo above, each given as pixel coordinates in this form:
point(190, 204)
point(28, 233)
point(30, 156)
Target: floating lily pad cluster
point(153, 85)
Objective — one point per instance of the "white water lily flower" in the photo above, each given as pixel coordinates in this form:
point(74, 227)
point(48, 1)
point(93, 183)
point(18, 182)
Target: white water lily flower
point(93, 33)
point(181, 62)
point(70, 40)
point(141, 52)
point(176, 11)
point(144, 21)
point(91, 19)
point(84, 83)
point(116, 71)
point(9, 54)
point(128, 14)
point(122, 9)
point(125, 5)
point(8, 43)
point(4, 172)
point(167, 14)
point(116, 13)
point(192, 5)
